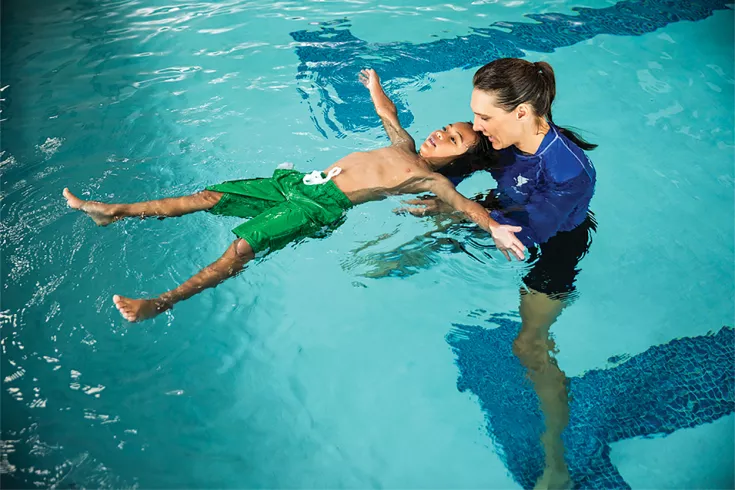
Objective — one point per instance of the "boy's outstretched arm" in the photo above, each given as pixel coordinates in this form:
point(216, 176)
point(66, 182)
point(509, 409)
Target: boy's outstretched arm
point(503, 235)
point(386, 110)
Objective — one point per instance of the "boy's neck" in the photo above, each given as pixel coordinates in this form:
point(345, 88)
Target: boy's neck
point(427, 162)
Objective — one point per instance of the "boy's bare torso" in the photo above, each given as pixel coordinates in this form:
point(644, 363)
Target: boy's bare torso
point(376, 174)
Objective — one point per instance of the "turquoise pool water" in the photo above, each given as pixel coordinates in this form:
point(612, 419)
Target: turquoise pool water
point(314, 368)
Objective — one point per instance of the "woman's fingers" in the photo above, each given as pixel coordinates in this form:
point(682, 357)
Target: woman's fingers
point(420, 212)
point(417, 211)
point(414, 201)
point(505, 252)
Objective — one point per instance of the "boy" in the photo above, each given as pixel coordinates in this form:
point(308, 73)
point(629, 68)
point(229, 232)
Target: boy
point(291, 205)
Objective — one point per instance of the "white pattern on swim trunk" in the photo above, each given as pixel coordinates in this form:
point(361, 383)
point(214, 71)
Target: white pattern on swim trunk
point(315, 177)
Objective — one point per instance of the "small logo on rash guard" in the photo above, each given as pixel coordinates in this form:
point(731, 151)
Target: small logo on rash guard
point(520, 180)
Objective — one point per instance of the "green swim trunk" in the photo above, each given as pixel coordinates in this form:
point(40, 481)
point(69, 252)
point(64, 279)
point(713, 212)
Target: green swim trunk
point(281, 209)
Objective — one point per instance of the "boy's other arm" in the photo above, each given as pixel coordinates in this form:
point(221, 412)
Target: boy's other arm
point(503, 235)
point(386, 110)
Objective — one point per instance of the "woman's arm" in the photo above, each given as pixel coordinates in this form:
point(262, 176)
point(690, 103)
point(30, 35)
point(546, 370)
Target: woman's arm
point(386, 110)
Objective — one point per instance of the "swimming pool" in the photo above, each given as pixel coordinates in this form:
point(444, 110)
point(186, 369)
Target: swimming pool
point(317, 368)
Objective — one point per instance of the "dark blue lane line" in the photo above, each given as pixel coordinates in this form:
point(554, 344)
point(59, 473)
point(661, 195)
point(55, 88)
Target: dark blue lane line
point(684, 383)
point(332, 56)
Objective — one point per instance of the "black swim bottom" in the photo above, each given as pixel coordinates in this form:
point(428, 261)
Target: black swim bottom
point(556, 262)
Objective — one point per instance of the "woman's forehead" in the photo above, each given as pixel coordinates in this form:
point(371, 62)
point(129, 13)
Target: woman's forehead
point(483, 101)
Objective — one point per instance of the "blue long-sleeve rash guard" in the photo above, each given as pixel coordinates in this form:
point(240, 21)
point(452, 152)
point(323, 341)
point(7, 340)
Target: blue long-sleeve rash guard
point(546, 192)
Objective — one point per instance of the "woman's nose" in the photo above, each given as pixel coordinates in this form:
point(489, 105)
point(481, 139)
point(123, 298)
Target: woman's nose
point(439, 134)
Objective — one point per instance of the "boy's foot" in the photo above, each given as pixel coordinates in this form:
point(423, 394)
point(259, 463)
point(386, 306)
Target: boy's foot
point(135, 310)
point(101, 213)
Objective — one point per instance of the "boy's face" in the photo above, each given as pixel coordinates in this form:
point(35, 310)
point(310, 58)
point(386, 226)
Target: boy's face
point(446, 144)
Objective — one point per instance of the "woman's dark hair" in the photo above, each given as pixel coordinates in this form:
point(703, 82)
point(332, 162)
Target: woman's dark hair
point(514, 81)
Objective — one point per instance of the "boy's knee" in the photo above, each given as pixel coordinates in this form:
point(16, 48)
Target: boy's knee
point(243, 249)
point(210, 197)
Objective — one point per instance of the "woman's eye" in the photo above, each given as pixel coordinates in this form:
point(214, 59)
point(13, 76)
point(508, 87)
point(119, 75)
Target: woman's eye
point(452, 139)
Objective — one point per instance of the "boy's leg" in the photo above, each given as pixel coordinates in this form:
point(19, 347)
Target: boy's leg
point(231, 262)
point(271, 230)
point(104, 214)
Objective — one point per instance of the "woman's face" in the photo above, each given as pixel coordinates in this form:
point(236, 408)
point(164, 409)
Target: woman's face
point(503, 129)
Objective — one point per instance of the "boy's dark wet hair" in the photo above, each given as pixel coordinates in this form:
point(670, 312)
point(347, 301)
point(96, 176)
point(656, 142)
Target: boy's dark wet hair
point(479, 156)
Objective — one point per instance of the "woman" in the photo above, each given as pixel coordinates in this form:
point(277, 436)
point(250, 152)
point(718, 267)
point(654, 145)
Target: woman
point(545, 183)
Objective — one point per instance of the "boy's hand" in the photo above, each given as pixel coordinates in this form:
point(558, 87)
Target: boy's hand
point(370, 79)
point(386, 110)
point(506, 241)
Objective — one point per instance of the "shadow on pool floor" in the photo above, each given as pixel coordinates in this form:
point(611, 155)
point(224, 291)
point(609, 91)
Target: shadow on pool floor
point(683, 383)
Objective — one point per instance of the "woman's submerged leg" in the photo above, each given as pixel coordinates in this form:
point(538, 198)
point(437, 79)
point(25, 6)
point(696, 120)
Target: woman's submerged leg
point(104, 214)
point(533, 347)
point(230, 264)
